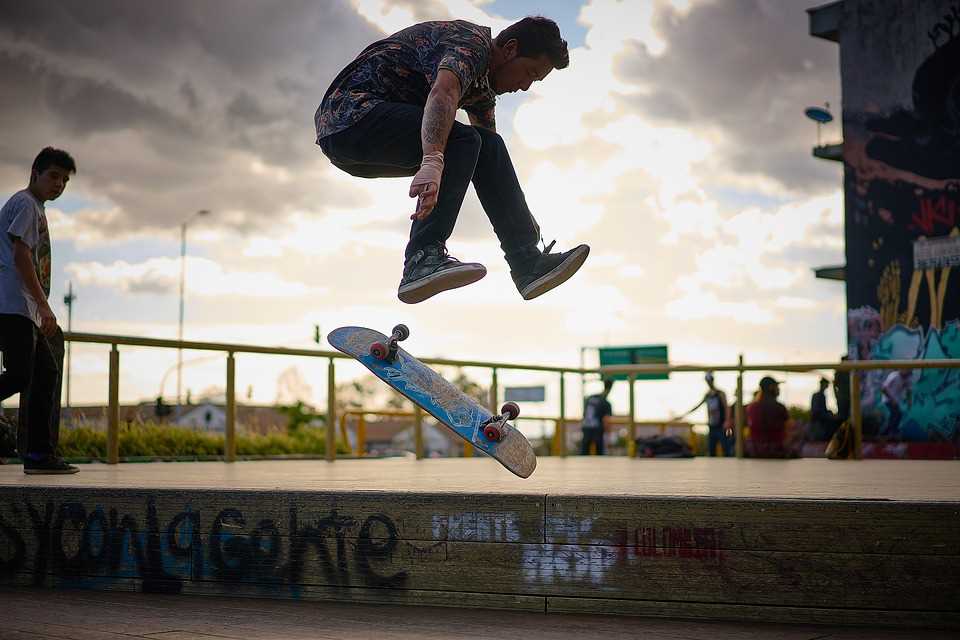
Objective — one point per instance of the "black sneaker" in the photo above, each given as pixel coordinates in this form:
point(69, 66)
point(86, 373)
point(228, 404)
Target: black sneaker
point(548, 270)
point(51, 465)
point(431, 270)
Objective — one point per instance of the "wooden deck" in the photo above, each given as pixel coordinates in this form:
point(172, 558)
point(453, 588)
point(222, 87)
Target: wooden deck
point(40, 614)
point(801, 541)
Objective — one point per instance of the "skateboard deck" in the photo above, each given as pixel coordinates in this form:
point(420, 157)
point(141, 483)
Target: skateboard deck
point(425, 387)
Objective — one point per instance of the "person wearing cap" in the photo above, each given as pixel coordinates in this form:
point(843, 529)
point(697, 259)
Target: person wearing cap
point(767, 418)
point(718, 418)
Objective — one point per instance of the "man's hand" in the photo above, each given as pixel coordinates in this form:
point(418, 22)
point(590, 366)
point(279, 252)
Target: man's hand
point(48, 321)
point(426, 184)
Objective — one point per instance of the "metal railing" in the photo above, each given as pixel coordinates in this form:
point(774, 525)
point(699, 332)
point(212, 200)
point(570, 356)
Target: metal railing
point(632, 371)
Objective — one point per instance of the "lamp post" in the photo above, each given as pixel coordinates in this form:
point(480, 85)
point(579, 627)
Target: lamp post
point(183, 255)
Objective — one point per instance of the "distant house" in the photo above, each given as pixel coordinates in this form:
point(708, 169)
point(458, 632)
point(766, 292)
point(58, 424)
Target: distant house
point(206, 416)
point(395, 436)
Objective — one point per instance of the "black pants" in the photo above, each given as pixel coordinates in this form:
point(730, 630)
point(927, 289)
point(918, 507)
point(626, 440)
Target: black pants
point(386, 143)
point(717, 435)
point(592, 434)
point(33, 366)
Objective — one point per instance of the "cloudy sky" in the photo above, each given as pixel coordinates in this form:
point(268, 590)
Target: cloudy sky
point(674, 144)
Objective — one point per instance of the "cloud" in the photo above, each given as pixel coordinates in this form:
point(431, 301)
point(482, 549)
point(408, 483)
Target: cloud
point(168, 109)
point(745, 68)
point(206, 278)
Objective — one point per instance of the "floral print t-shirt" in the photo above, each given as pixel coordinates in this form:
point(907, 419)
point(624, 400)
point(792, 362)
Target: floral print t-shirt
point(402, 68)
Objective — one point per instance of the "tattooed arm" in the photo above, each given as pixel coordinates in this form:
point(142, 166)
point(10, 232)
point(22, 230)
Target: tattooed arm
point(438, 117)
point(440, 111)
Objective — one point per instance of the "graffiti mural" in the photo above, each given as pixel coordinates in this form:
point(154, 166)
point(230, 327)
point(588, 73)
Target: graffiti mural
point(901, 120)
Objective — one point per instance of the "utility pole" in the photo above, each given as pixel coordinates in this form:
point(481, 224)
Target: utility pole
point(183, 256)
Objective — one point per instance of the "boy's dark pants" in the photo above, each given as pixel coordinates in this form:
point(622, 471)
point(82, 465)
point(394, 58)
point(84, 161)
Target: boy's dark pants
point(33, 366)
point(386, 143)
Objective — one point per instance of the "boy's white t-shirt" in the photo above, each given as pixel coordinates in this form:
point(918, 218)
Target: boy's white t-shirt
point(23, 217)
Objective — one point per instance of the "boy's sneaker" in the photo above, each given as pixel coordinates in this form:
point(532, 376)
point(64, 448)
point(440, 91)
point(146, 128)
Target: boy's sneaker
point(548, 270)
point(51, 465)
point(431, 270)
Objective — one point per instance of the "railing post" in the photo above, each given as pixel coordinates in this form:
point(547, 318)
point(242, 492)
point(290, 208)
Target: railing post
point(343, 430)
point(113, 409)
point(230, 429)
point(361, 435)
point(738, 413)
point(856, 417)
point(632, 429)
point(562, 423)
point(331, 431)
point(494, 393)
point(418, 431)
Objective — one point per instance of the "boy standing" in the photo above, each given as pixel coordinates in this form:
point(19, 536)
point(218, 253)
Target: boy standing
point(31, 341)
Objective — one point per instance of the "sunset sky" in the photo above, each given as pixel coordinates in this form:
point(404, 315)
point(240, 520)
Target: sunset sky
point(674, 144)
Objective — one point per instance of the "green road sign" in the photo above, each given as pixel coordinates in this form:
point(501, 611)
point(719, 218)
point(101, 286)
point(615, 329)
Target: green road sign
point(643, 354)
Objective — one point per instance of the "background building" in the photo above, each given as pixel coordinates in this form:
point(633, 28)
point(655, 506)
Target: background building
point(900, 73)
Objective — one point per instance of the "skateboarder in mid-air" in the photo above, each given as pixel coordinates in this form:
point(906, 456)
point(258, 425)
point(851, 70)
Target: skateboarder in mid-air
point(391, 113)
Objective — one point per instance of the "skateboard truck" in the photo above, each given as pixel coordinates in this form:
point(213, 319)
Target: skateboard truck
point(388, 350)
point(494, 429)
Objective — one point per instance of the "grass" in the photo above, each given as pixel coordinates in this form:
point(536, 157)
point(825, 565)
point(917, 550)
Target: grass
point(151, 441)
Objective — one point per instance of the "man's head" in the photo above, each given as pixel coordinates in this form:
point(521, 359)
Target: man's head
point(525, 52)
point(607, 385)
point(824, 383)
point(50, 173)
point(708, 377)
point(769, 387)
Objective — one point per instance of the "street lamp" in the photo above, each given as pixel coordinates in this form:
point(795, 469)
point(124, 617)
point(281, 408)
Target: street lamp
point(183, 255)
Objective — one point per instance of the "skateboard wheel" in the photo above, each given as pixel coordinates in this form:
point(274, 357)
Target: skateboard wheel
point(402, 332)
point(510, 409)
point(379, 350)
point(492, 432)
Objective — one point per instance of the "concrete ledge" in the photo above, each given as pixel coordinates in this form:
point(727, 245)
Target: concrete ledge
point(893, 559)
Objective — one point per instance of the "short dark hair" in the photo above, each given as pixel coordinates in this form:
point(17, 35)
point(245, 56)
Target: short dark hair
point(51, 157)
point(536, 36)
point(607, 385)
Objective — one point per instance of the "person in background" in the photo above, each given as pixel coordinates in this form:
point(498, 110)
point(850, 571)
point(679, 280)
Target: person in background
point(718, 418)
point(896, 396)
point(768, 420)
point(823, 422)
point(596, 420)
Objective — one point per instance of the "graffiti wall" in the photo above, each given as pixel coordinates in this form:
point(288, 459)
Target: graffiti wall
point(900, 63)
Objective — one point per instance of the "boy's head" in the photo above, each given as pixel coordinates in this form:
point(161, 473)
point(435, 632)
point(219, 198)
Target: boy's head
point(50, 173)
point(824, 383)
point(528, 50)
point(607, 385)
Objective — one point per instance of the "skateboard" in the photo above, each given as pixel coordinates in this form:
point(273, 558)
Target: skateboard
point(489, 433)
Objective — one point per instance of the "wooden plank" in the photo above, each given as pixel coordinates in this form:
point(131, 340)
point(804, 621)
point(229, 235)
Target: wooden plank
point(720, 612)
point(699, 524)
point(282, 565)
point(596, 476)
point(407, 516)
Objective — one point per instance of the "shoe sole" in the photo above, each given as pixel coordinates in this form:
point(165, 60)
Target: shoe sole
point(431, 285)
point(560, 274)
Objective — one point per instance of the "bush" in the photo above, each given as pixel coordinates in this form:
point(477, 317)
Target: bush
point(163, 441)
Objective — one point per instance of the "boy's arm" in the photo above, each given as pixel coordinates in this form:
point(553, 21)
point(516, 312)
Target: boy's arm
point(23, 260)
point(438, 116)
